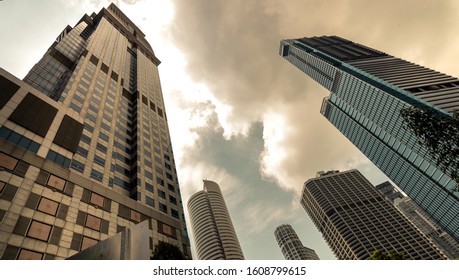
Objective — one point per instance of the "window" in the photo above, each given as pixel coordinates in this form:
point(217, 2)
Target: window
point(75, 107)
point(148, 174)
point(58, 158)
point(100, 161)
point(48, 206)
point(93, 108)
point(107, 117)
point(91, 117)
point(82, 151)
point(87, 242)
point(150, 201)
point(103, 136)
point(167, 230)
point(149, 187)
point(174, 213)
point(161, 193)
point(101, 148)
point(97, 175)
point(56, 182)
point(162, 207)
point(85, 138)
point(105, 126)
point(97, 199)
point(121, 183)
point(172, 199)
point(77, 165)
point(170, 187)
point(39, 231)
point(135, 216)
point(88, 127)
point(7, 161)
point(160, 181)
point(93, 222)
point(29, 255)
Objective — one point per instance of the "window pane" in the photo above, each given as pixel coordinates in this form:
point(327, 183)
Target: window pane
point(48, 206)
point(97, 199)
point(29, 255)
point(39, 231)
point(56, 182)
point(93, 222)
point(87, 242)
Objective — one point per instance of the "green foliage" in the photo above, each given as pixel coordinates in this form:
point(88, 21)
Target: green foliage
point(392, 255)
point(439, 134)
point(166, 251)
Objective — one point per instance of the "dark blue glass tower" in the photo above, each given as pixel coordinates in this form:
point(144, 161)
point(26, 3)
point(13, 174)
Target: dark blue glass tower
point(368, 88)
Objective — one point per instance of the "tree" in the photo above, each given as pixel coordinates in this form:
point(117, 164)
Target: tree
point(392, 255)
point(439, 134)
point(167, 251)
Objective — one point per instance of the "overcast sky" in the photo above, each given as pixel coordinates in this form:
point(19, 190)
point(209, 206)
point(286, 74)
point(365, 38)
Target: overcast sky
point(239, 114)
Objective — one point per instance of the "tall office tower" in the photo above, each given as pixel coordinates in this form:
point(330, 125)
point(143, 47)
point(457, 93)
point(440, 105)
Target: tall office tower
point(213, 230)
point(389, 191)
point(291, 245)
point(421, 220)
point(355, 219)
point(84, 145)
point(368, 88)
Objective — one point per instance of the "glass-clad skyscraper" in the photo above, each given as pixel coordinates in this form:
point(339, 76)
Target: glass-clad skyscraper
point(368, 88)
point(85, 149)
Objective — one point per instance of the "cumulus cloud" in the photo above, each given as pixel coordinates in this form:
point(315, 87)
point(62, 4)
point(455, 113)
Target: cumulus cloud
point(232, 48)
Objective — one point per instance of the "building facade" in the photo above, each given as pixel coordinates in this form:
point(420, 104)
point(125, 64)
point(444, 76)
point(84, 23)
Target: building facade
point(213, 230)
point(421, 220)
point(85, 149)
point(368, 89)
point(389, 191)
point(355, 219)
point(291, 245)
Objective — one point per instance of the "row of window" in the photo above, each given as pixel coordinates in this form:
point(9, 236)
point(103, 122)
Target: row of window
point(19, 140)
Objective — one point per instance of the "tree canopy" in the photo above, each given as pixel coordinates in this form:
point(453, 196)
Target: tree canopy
point(392, 255)
point(439, 134)
point(167, 251)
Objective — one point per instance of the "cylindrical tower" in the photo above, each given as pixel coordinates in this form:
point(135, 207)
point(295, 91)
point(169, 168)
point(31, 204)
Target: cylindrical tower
point(213, 230)
point(291, 245)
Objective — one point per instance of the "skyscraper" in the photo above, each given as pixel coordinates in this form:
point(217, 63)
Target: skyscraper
point(368, 89)
point(356, 220)
point(85, 149)
point(389, 191)
point(291, 245)
point(421, 220)
point(213, 230)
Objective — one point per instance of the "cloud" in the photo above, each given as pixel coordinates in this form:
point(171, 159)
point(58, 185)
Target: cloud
point(258, 219)
point(232, 48)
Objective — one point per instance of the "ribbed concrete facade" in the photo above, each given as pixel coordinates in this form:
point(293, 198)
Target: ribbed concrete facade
point(85, 149)
point(356, 220)
point(291, 245)
point(213, 230)
point(368, 90)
